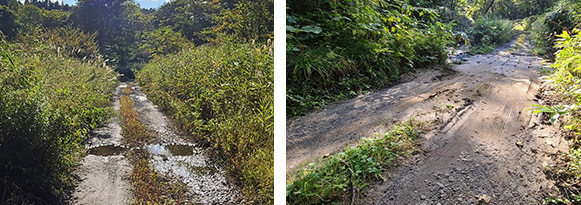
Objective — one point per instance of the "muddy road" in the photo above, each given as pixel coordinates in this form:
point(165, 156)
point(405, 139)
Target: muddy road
point(484, 145)
point(105, 170)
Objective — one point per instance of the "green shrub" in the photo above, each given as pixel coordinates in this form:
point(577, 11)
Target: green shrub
point(331, 180)
point(488, 33)
point(344, 47)
point(546, 26)
point(161, 42)
point(224, 95)
point(48, 105)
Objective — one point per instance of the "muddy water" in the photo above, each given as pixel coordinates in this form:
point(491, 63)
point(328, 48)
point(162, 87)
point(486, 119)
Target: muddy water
point(179, 157)
point(107, 150)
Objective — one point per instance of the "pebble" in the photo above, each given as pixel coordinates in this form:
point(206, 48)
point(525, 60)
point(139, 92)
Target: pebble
point(423, 197)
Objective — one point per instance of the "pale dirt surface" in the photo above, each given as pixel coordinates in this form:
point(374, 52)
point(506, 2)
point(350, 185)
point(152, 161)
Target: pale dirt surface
point(484, 140)
point(105, 179)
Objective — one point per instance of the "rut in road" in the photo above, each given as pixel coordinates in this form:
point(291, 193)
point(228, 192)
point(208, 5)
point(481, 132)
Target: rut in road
point(105, 171)
point(486, 142)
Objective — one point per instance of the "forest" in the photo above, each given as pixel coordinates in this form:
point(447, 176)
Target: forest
point(208, 65)
point(433, 87)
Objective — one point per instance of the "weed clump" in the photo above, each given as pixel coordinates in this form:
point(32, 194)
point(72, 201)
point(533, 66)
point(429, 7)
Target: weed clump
point(344, 174)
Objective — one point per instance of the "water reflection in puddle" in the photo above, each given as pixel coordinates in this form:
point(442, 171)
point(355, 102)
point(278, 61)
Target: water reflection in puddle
point(107, 150)
point(171, 150)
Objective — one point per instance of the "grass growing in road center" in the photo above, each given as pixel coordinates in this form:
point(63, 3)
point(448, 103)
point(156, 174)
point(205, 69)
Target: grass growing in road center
point(343, 175)
point(149, 186)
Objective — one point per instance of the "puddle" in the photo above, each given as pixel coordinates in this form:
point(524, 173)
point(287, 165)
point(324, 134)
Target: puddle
point(171, 150)
point(107, 150)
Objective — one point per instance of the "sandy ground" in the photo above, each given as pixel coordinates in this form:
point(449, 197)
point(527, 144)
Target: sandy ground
point(484, 141)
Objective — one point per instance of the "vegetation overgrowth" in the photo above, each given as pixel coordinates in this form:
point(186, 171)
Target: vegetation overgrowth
point(343, 175)
point(223, 94)
point(341, 48)
point(74, 45)
point(545, 27)
point(49, 103)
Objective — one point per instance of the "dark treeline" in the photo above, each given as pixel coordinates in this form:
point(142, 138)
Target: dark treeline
point(124, 31)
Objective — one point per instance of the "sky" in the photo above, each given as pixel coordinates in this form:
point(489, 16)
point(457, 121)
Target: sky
point(146, 4)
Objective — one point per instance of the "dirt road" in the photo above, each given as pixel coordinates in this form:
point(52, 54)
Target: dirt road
point(484, 143)
point(105, 171)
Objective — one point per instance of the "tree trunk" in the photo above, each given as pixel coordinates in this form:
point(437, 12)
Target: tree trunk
point(491, 3)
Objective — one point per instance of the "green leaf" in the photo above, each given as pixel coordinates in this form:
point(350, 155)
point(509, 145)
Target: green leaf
point(312, 29)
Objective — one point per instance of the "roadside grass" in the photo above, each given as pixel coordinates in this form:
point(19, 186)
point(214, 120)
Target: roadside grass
point(134, 132)
point(149, 186)
point(49, 103)
point(342, 176)
point(223, 96)
point(566, 83)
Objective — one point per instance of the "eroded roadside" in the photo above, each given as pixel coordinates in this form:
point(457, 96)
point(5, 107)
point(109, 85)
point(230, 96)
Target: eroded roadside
point(106, 170)
point(485, 145)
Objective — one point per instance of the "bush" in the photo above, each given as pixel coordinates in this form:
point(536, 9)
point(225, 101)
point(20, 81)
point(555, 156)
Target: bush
point(345, 47)
point(567, 82)
point(161, 42)
point(222, 94)
point(48, 105)
point(488, 33)
point(546, 26)
point(461, 22)
point(66, 41)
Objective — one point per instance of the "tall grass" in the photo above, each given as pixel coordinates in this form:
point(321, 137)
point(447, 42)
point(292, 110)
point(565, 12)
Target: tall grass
point(48, 104)
point(222, 94)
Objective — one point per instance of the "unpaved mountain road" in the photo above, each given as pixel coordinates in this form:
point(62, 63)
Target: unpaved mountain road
point(105, 171)
point(484, 141)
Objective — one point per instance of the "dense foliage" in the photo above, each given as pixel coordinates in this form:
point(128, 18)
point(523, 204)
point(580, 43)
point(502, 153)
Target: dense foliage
point(223, 94)
point(344, 47)
point(343, 174)
point(49, 103)
point(488, 33)
point(545, 27)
